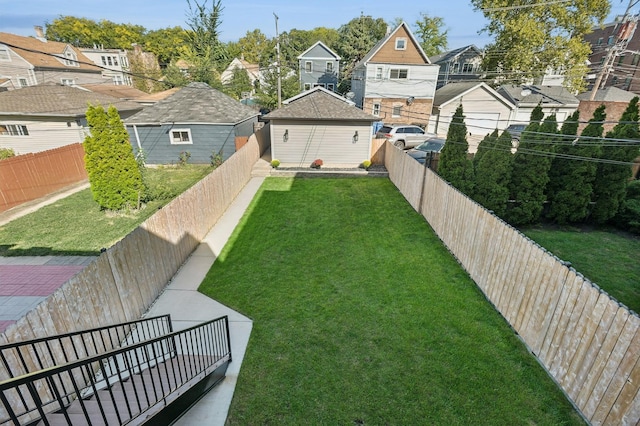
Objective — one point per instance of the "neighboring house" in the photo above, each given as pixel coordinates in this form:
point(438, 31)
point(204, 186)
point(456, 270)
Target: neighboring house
point(319, 124)
point(462, 64)
point(196, 119)
point(319, 66)
point(615, 100)
point(484, 109)
point(43, 117)
point(553, 100)
point(252, 70)
point(28, 61)
point(123, 92)
point(624, 73)
point(395, 80)
point(114, 63)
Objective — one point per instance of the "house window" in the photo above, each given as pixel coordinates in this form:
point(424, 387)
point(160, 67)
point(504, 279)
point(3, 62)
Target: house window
point(13, 130)
point(308, 66)
point(109, 61)
point(329, 67)
point(379, 73)
point(124, 61)
point(599, 42)
point(118, 80)
point(70, 59)
point(376, 110)
point(68, 81)
point(467, 68)
point(115, 60)
point(610, 40)
point(181, 136)
point(620, 59)
point(331, 87)
point(401, 43)
point(307, 86)
point(456, 67)
point(104, 60)
point(398, 73)
point(23, 82)
point(602, 60)
point(635, 59)
point(627, 83)
point(4, 54)
point(396, 111)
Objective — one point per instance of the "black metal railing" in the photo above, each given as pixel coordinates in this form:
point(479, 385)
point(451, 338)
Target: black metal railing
point(125, 383)
point(33, 355)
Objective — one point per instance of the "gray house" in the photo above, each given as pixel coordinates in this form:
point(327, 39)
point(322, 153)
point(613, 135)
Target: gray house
point(462, 64)
point(196, 119)
point(319, 66)
point(319, 124)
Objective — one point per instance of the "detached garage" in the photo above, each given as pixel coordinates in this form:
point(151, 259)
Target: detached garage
point(319, 124)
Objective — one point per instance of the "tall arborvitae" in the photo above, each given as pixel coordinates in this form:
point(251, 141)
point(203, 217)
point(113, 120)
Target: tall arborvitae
point(493, 175)
point(485, 145)
point(571, 180)
point(530, 173)
point(455, 166)
point(114, 176)
point(621, 144)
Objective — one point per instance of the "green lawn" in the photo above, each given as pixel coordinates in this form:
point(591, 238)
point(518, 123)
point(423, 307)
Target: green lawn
point(361, 316)
point(75, 225)
point(608, 259)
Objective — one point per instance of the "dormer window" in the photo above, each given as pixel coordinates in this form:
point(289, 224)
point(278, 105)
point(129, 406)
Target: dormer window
point(401, 43)
point(70, 58)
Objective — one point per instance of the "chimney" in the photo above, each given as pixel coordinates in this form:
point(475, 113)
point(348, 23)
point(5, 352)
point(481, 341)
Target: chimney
point(39, 33)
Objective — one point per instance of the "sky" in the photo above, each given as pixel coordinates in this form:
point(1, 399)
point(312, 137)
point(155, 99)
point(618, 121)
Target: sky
point(239, 16)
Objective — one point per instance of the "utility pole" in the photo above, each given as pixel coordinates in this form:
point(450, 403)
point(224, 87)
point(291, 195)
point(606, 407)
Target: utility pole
point(278, 63)
point(622, 33)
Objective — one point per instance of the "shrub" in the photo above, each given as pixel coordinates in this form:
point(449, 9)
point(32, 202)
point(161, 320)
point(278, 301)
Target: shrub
point(275, 163)
point(628, 217)
point(6, 153)
point(317, 164)
point(366, 164)
point(183, 158)
point(216, 159)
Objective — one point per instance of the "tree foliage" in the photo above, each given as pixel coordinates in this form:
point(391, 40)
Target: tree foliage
point(455, 166)
point(206, 55)
point(167, 44)
point(254, 47)
point(611, 179)
point(532, 37)
point(85, 32)
point(493, 172)
point(433, 38)
point(267, 96)
point(114, 175)
point(530, 173)
point(571, 180)
point(628, 217)
point(239, 84)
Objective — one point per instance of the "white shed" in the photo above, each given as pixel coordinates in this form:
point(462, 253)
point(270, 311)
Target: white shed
point(319, 124)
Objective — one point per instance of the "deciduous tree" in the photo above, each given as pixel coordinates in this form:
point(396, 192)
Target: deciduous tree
point(532, 37)
point(432, 35)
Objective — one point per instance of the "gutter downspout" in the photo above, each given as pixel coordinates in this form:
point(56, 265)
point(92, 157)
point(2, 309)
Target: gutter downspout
point(135, 131)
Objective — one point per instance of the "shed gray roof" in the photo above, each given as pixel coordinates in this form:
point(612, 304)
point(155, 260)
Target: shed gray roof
point(57, 100)
point(608, 94)
point(534, 95)
point(445, 56)
point(195, 103)
point(318, 105)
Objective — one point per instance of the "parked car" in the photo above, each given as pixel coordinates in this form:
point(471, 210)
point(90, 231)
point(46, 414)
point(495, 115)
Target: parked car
point(515, 130)
point(420, 152)
point(402, 136)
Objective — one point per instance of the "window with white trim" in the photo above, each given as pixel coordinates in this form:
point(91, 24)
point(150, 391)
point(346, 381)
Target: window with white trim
point(456, 67)
point(308, 66)
point(379, 73)
point(467, 68)
point(70, 58)
point(307, 86)
point(68, 81)
point(331, 87)
point(22, 82)
point(181, 136)
point(329, 67)
point(398, 73)
point(401, 43)
point(4, 54)
point(396, 111)
point(376, 110)
point(13, 130)
point(118, 80)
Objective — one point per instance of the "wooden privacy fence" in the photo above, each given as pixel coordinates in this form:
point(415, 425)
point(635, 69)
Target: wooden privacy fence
point(30, 176)
point(587, 341)
point(123, 282)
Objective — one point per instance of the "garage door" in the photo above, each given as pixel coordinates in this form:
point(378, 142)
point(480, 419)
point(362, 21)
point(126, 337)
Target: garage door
point(481, 123)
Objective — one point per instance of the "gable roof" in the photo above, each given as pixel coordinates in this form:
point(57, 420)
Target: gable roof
point(45, 54)
point(452, 91)
point(57, 100)
point(532, 95)
point(375, 49)
point(195, 103)
point(239, 63)
point(319, 104)
point(119, 91)
point(452, 54)
point(608, 94)
point(322, 45)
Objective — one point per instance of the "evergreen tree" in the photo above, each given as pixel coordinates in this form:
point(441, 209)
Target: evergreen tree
point(531, 165)
point(485, 145)
point(114, 176)
point(493, 174)
point(455, 166)
point(239, 84)
point(611, 179)
point(571, 180)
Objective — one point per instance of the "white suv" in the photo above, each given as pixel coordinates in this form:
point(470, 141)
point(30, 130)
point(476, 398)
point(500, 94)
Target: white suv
point(403, 136)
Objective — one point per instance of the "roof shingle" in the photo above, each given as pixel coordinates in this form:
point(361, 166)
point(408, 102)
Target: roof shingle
point(318, 105)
